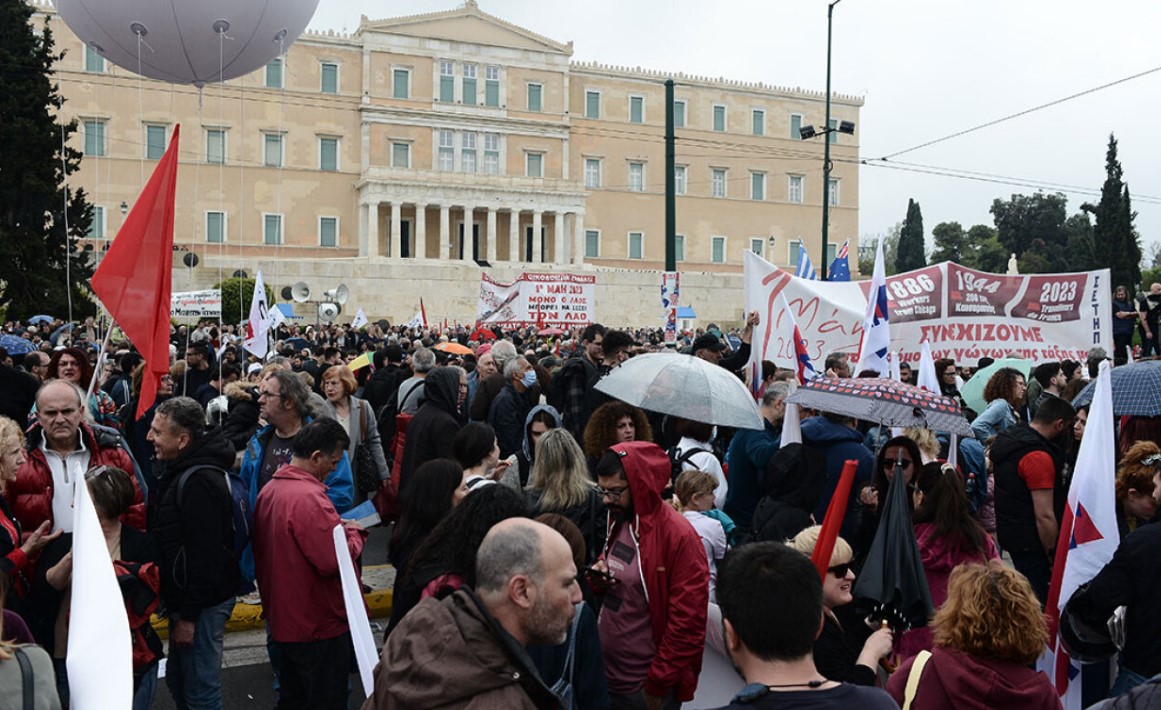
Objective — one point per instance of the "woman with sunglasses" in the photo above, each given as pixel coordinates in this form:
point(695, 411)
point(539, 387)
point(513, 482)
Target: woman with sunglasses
point(842, 651)
point(901, 452)
point(948, 536)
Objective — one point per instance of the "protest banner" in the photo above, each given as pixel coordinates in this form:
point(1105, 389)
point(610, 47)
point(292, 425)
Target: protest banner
point(545, 300)
point(962, 313)
point(196, 304)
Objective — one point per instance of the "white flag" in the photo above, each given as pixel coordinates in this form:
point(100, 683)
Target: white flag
point(100, 655)
point(360, 319)
point(361, 636)
point(416, 321)
point(928, 377)
point(277, 317)
point(876, 333)
point(258, 325)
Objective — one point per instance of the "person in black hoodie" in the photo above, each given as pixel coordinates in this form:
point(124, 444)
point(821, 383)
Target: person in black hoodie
point(389, 373)
point(430, 433)
point(195, 535)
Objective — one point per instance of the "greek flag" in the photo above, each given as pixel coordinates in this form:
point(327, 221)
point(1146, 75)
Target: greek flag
point(805, 268)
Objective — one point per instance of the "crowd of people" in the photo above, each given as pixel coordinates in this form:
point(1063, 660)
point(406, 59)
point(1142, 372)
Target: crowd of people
point(554, 546)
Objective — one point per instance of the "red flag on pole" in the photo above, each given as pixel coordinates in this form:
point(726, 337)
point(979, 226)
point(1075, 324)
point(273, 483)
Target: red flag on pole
point(833, 522)
point(134, 279)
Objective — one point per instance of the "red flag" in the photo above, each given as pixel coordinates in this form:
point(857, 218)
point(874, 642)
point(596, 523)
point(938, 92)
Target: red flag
point(835, 512)
point(134, 279)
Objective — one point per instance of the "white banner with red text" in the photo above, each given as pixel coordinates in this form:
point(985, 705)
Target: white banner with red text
point(543, 300)
point(962, 313)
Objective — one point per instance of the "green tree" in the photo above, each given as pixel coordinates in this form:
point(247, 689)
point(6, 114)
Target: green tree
point(911, 254)
point(236, 296)
point(39, 260)
point(951, 243)
point(1081, 252)
point(984, 250)
point(1037, 219)
point(890, 248)
point(1114, 230)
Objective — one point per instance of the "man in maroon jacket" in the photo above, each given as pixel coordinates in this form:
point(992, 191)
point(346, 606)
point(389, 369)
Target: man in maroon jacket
point(655, 579)
point(298, 572)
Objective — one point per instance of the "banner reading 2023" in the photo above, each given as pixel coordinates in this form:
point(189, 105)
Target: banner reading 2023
point(964, 314)
point(544, 300)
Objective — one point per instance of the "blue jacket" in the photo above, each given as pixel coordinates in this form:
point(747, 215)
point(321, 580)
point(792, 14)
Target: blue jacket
point(995, 419)
point(750, 450)
point(340, 484)
point(839, 442)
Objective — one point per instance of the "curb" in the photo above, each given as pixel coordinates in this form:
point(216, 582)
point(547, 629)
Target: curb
point(248, 617)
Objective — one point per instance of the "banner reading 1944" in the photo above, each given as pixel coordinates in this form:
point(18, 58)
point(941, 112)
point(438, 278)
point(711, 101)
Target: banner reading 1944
point(545, 300)
point(962, 313)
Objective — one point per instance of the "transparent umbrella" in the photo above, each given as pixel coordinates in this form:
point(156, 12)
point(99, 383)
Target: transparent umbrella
point(684, 386)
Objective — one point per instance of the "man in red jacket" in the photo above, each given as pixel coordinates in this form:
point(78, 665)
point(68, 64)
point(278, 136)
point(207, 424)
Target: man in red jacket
point(655, 578)
point(298, 572)
point(61, 448)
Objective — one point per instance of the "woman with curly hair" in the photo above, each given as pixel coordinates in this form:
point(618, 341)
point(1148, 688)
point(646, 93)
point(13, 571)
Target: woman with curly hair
point(613, 423)
point(1005, 394)
point(1135, 503)
point(987, 635)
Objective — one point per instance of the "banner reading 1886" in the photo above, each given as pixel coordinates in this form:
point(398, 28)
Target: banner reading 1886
point(964, 314)
point(545, 300)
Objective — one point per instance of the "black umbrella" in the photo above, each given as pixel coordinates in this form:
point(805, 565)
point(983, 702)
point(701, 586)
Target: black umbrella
point(892, 586)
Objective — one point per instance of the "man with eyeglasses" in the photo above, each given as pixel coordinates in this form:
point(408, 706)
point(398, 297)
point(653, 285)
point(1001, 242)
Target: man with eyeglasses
point(571, 386)
point(654, 576)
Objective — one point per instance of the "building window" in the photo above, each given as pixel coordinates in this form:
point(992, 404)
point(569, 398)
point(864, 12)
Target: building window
point(328, 231)
point(215, 227)
point(95, 137)
point(329, 78)
point(679, 179)
point(832, 134)
point(272, 228)
point(794, 189)
point(758, 119)
point(718, 183)
point(636, 109)
point(469, 83)
point(719, 118)
point(592, 104)
point(636, 177)
point(679, 247)
point(94, 63)
point(757, 186)
point(447, 81)
point(592, 243)
point(636, 245)
point(679, 114)
point(832, 193)
point(154, 142)
point(718, 250)
point(272, 150)
point(468, 152)
point(535, 92)
point(97, 226)
point(216, 146)
point(492, 86)
point(795, 246)
point(534, 165)
point(757, 245)
point(795, 126)
point(274, 74)
point(831, 252)
point(592, 173)
point(447, 150)
point(400, 155)
point(328, 154)
point(492, 153)
point(401, 84)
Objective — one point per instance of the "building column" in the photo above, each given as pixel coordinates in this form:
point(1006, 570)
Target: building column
point(466, 227)
point(514, 236)
point(537, 242)
point(373, 229)
point(444, 231)
point(558, 238)
point(491, 253)
point(578, 237)
point(396, 229)
point(420, 230)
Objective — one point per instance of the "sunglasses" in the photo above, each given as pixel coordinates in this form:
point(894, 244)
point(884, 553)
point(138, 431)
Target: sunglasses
point(840, 571)
point(890, 463)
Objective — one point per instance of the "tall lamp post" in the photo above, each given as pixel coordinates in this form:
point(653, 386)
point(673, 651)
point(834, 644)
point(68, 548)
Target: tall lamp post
point(807, 132)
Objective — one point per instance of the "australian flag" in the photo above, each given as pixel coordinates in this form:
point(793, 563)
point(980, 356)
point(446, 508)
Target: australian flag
point(840, 268)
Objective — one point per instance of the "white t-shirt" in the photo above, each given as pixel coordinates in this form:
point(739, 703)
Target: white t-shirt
point(65, 473)
point(713, 536)
point(704, 461)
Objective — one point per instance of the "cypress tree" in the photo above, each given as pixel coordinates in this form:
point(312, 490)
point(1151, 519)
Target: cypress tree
point(1114, 230)
point(911, 248)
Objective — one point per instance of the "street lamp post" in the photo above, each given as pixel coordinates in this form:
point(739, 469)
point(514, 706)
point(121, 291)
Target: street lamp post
point(822, 264)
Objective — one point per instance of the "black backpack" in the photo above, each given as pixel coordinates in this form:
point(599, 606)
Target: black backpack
point(677, 463)
point(791, 485)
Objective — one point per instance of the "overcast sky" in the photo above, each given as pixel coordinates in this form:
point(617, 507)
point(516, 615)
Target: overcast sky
point(926, 69)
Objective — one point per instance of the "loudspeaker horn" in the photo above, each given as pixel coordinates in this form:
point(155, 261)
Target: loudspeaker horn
point(328, 311)
point(300, 292)
point(287, 294)
point(339, 295)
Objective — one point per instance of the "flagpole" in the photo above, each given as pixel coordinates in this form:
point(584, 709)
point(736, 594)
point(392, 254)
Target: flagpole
point(100, 359)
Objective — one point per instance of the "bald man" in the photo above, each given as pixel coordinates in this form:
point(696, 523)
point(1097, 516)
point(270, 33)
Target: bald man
point(468, 649)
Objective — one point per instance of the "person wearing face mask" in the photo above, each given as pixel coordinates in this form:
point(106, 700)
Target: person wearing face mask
point(512, 404)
